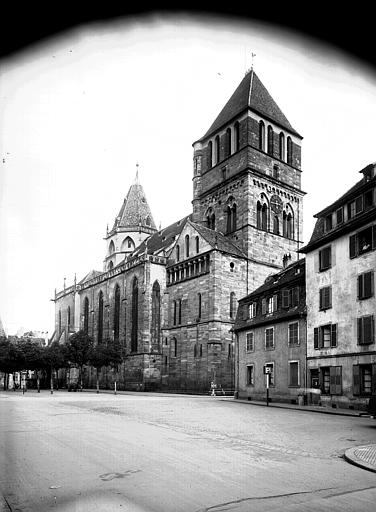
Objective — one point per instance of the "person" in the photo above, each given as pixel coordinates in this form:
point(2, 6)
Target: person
point(213, 386)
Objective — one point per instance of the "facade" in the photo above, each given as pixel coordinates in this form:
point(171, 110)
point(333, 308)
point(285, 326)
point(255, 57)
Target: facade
point(271, 334)
point(341, 304)
point(170, 295)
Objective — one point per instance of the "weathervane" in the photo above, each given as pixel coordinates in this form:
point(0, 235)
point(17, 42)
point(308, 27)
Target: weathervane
point(253, 55)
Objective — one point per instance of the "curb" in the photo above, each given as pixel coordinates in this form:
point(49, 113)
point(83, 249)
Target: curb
point(359, 454)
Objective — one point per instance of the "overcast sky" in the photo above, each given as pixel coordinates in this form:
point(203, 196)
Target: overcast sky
point(80, 110)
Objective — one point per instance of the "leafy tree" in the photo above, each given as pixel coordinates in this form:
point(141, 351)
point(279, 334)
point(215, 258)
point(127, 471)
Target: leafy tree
point(33, 356)
point(11, 358)
point(98, 358)
point(79, 347)
point(55, 358)
point(114, 351)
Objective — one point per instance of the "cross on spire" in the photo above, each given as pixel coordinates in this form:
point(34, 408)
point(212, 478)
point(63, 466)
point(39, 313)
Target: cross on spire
point(253, 55)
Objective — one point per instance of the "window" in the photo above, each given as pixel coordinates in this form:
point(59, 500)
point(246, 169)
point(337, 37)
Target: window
point(363, 241)
point(210, 154)
point(201, 350)
point(197, 244)
point(269, 338)
point(174, 347)
point(270, 366)
point(187, 246)
point(177, 252)
point(236, 136)
point(276, 225)
point(364, 379)
point(290, 297)
point(174, 312)
point(261, 136)
point(111, 248)
point(252, 310)
point(281, 146)
point(110, 265)
point(339, 216)
point(294, 373)
point(331, 380)
point(156, 315)
point(325, 258)
point(328, 222)
point(250, 347)
point(325, 298)
point(68, 317)
point(117, 313)
point(325, 336)
point(217, 149)
point(228, 143)
point(366, 285)
point(270, 140)
point(86, 315)
point(250, 375)
point(100, 317)
point(294, 334)
point(269, 305)
point(195, 351)
point(199, 306)
point(368, 199)
point(231, 218)
point(134, 316)
point(59, 321)
point(210, 219)
point(288, 226)
point(289, 150)
point(366, 330)
point(232, 305)
point(179, 311)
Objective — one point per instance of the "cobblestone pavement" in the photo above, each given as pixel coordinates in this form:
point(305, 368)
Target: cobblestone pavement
point(363, 456)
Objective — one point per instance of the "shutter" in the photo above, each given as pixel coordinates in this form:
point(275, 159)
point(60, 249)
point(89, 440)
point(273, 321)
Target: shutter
point(373, 388)
point(316, 337)
point(332, 380)
point(360, 330)
point(316, 262)
point(285, 298)
point(321, 338)
point(367, 284)
point(333, 335)
point(338, 380)
point(374, 236)
point(321, 379)
point(360, 286)
point(367, 329)
point(275, 302)
point(353, 246)
point(356, 379)
point(321, 298)
point(372, 284)
point(263, 306)
point(329, 297)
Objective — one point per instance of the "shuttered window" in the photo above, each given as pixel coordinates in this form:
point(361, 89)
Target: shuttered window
point(335, 377)
point(325, 297)
point(365, 285)
point(366, 330)
point(325, 258)
point(364, 379)
point(269, 338)
point(285, 299)
point(325, 336)
point(294, 373)
point(294, 333)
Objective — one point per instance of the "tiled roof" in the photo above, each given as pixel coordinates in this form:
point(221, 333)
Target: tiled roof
point(135, 209)
point(251, 93)
point(217, 240)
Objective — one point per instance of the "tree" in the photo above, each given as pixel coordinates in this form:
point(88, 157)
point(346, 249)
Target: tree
point(114, 351)
point(79, 347)
point(98, 358)
point(55, 358)
point(11, 358)
point(33, 357)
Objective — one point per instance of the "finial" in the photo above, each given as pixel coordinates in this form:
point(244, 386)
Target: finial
point(64, 282)
point(253, 55)
point(136, 180)
point(75, 279)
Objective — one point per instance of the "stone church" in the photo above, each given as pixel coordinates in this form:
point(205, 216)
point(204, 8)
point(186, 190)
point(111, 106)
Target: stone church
point(169, 296)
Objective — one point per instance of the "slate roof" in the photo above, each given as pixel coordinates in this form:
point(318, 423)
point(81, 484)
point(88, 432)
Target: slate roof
point(251, 94)
point(135, 209)
point(90, 275)
point(216, 239)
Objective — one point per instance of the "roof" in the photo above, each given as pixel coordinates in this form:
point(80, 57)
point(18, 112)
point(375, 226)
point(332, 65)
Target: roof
point(218, 240)
point(2, 330)
point(135, 209)
point(90, 275)
point(251, 94)
point(279, 280)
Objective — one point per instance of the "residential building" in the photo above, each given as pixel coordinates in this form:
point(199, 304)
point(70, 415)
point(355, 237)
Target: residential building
point(271, 337)
point(341, 303)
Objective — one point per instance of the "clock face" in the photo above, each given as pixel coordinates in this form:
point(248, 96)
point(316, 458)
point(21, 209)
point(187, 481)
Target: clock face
point(276, 204)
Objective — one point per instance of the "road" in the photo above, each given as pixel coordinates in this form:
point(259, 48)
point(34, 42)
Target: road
point(170, 453)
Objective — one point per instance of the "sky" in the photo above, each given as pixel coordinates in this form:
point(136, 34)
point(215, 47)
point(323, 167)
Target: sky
point(79, 110)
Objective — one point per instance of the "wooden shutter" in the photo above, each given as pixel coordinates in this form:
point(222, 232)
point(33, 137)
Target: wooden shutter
point(338, 382)
point(263, 306)
point(321, 337)
point(296, 295)
point(332, 380)
point(374, 236)
point(321, 379)
point(353, 241)
point(321, 298)
point(373, 388)
point(360, 330)
point(368, 284)
point(333, 335)
point(275, 302)
point(285, 298)
point(356, 379)
point(329, 297)
point(367, 329)
point(360, 286)
point(316, 337)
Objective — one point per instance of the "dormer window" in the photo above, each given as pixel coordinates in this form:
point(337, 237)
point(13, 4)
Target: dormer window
point(339, 216)
point(328, 222)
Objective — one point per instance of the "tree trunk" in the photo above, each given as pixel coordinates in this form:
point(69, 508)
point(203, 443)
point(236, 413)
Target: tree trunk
point(97, 380)
point(81, 378)
point(52, 382)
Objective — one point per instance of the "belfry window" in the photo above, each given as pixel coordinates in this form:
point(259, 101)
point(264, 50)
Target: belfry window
point(262, 216)
point(231, 218)
point(111, 248)
point(289, 150)
point(187, 246)
point(282, 146)
point(288, 225)
point(210, 219)
point(217, 149)
point(270, 140)
point(236, 136)
point(228, 143)
point(276, 225)
point(261, 136)
point(100, 317)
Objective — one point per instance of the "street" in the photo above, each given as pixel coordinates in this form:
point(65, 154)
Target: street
point(142, 452)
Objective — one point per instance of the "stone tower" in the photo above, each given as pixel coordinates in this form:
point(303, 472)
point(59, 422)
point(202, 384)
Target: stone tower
point(247, 179)
point(133, 225)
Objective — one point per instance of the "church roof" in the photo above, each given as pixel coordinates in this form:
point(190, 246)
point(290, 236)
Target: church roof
point(251, 94)
point(90, 275)
point(135, 210)
point(218, 241)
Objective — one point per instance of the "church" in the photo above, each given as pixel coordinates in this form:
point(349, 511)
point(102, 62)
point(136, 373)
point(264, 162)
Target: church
point(170, 296)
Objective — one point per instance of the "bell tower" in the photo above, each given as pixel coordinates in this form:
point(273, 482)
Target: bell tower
point(247, 177)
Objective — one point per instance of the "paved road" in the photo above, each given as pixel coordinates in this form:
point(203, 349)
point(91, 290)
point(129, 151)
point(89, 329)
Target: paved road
point(170, 453)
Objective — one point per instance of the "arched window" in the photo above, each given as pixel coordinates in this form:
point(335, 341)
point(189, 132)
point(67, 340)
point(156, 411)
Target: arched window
point(258, 223)
point(59, 321)
point(110, 265)
point(187, 246)
point(148, 221)
point(156, 315)
point(264, 217)
point(127, 245)
point(289, 150)
point(262, 136)
point(288, 225)
point(276, 225)
point(179, 311)
point(210, 154)
point(197, 244)
point(111, 248)
point(177, 252)
point(281, 146)
point(270, 140)
point(199, 305)
point(232, 305)
point(210, 219)
point(117, 314)
point(228, 143)
point(231, 218)
point(175, 313)
point(134, 331)
point(68, 316)
point(174, 347)
point(236, 136)
point(86, 315)
point(100, 317)
point(217, 149)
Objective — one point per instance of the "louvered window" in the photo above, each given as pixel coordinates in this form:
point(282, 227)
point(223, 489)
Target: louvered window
point(366, 330)
point(325, 298)
point(325, 258)
point(366, 285)
point(325, 336)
